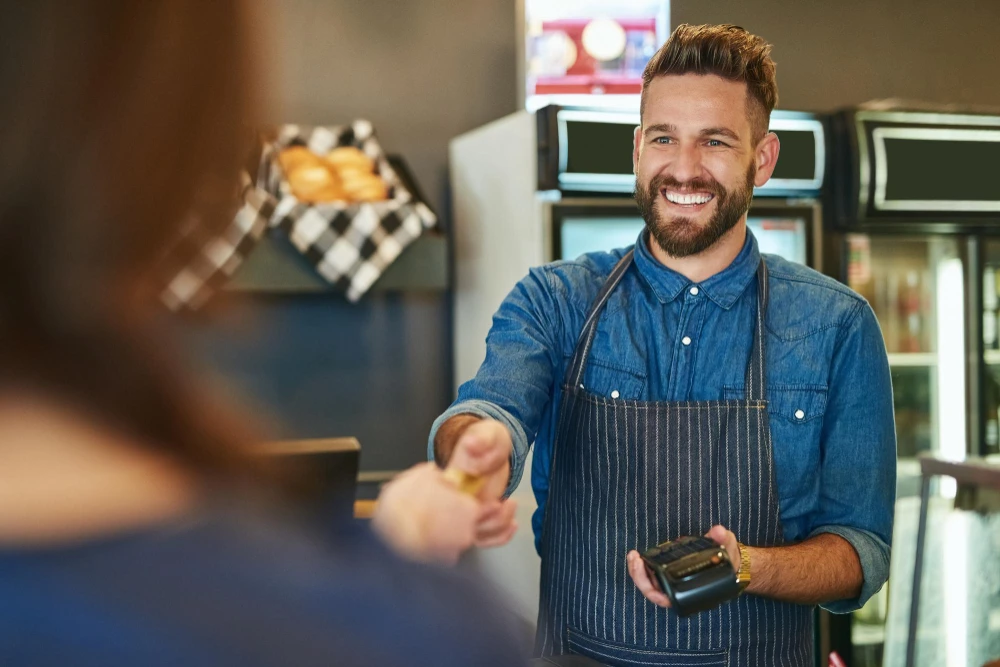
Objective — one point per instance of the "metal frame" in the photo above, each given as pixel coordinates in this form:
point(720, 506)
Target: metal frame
point(880, 134)
point(557, 210)
point(781, 120)
point(973, 472)
point(591, 182)
point(907, 117)
point(802, 124)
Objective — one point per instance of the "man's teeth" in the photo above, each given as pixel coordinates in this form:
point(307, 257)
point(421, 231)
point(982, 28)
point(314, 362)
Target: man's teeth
point(688, 199)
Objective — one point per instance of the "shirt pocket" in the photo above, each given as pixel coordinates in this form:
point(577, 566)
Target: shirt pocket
point(796, 418)
point(614, 381)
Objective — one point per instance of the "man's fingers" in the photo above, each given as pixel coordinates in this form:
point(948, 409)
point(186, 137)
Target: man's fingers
point(499, 539)
point(482, 449)
point(723, 536)
point(495, 519)
point(718, 533)
point(637, 570)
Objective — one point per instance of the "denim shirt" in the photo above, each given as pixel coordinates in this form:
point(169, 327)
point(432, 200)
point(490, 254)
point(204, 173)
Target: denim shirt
point(663, 338)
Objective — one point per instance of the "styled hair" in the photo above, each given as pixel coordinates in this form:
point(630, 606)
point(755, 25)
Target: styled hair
point(727, 51)
point(123, 120)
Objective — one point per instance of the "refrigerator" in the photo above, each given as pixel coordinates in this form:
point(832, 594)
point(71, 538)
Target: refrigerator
point(551, 184)
point(913, 214)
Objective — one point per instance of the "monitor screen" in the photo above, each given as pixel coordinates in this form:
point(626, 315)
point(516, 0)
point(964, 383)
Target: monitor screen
point(920, 170)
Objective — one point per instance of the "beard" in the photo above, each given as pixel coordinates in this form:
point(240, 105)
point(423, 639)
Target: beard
point(682, 237)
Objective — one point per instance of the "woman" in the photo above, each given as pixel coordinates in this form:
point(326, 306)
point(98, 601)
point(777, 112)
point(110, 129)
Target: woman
point(121, 541)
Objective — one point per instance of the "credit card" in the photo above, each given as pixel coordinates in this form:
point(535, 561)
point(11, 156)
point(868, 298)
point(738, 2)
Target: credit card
point(463, 481)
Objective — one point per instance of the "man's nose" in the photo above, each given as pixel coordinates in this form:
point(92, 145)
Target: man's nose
point(687, 164)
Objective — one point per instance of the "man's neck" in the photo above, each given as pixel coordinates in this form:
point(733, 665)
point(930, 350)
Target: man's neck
point(701, 267)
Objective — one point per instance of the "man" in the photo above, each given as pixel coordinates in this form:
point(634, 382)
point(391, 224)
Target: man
point(689, 385)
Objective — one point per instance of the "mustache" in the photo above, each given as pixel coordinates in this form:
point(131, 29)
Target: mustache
point(695, 184)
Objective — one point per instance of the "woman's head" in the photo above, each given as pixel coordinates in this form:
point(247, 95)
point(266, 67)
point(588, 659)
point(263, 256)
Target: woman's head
point(121, 120)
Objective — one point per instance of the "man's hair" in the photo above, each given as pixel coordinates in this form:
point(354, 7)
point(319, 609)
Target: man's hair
point(727, 51)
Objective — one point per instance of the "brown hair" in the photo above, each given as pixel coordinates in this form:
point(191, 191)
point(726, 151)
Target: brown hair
point(123, 120)
point(727, 51)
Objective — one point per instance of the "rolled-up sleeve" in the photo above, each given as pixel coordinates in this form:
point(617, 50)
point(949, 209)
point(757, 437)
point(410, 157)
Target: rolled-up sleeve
point(858, 475)
point(515, 383)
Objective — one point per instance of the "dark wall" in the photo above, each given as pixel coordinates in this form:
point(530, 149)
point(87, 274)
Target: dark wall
point(836, 54)
point(422, 73)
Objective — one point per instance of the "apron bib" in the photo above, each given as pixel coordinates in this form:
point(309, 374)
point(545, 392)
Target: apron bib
point(629, 474)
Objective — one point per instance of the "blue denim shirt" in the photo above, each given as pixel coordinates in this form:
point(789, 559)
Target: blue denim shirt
point(828, 385)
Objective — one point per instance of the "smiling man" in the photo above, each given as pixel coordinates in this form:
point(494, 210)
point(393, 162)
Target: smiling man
point(688, 385)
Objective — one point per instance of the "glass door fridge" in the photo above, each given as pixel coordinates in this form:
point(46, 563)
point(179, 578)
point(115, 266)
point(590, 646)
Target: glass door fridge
point(990, 354)
point(915, 212)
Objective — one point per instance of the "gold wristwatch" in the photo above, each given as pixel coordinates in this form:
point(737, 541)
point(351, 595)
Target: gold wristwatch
point(743, 574)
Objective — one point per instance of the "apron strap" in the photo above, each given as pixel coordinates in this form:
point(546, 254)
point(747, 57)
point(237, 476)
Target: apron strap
point(756, 381)
point(574, 373)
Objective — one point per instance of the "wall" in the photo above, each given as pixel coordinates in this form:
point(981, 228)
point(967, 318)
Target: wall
point(837, 54)
point(422, 71)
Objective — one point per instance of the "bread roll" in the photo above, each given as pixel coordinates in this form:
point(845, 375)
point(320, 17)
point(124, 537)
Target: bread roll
point(365, 187)
point(350, 159)
point(292, 158)
point(315, 183)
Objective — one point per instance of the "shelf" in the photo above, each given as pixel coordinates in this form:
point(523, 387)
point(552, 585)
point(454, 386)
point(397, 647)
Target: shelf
point(913, 359)
point(276, 266)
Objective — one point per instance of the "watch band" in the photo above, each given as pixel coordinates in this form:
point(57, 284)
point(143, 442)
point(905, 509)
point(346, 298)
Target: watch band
point(743, 573)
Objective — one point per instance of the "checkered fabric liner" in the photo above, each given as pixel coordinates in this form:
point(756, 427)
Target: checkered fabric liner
point(350, 245)
point(216, 258)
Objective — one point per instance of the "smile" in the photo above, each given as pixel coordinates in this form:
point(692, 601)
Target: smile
point(688, 199)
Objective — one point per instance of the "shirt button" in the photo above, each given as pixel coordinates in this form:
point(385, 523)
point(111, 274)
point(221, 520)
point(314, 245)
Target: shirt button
point(686, 340)
point(694, 291)
point(799, 414)
point(615, 394)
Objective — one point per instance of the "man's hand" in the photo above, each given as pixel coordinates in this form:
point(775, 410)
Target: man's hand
point(648, 586)
point(821, 569)
point(483, 449)
point(423, 516)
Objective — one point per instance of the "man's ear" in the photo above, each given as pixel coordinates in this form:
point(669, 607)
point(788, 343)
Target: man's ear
point(765, 158)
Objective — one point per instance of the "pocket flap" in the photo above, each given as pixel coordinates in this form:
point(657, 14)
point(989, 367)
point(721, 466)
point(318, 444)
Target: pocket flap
point(797, 404)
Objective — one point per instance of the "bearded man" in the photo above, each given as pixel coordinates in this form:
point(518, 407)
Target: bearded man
point(688, 385)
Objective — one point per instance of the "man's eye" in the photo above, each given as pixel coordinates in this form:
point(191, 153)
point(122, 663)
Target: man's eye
point(714, 143)
point(663, 140)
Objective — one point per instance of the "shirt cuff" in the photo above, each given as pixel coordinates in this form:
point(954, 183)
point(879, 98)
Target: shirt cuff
point(488, 410)
point(874, 556)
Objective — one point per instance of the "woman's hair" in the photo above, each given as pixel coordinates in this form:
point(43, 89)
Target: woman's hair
point(122, 121)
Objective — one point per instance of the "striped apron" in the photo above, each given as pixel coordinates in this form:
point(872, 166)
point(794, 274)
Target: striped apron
point(629, 474)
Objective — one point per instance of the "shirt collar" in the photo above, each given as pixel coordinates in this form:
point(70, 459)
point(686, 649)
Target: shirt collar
point(723, 288)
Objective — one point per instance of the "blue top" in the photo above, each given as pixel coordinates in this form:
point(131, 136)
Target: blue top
point(663, 338)
point(228, 589)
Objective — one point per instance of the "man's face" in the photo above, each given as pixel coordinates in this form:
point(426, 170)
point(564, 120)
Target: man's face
point(696, 161)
